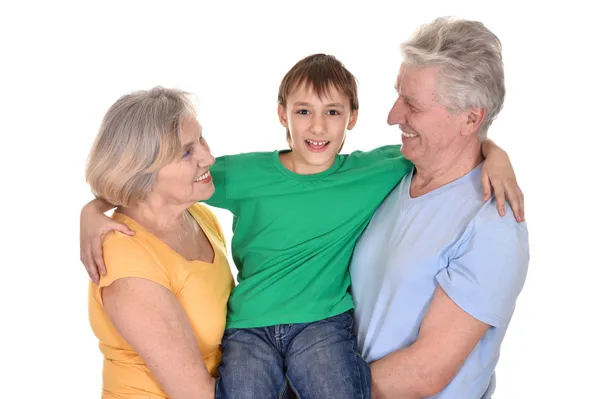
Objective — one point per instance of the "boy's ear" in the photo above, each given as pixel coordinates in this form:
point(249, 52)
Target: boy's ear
point(353, 119)
point(282, 115)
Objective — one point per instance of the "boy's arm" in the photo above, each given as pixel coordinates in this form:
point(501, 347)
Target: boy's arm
point(498, 176)
point(93, 226)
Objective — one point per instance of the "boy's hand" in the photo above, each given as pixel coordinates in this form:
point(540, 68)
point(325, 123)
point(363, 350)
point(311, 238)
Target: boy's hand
point(497, 174)
point(94, 225)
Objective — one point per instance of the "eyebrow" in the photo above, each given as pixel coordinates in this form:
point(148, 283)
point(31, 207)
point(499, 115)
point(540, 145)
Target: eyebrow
point(409, 98)
point(305, 104)
point(189, 145)
point(414, 101)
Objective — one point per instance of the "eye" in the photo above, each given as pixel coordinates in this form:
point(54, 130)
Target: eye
point(187, 154)
point(302, 112)
point(333, 112)
point(411, 107)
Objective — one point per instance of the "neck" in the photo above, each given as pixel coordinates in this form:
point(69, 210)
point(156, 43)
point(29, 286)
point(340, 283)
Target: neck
point(157, 215)
point(296, 164)
point(449, 166)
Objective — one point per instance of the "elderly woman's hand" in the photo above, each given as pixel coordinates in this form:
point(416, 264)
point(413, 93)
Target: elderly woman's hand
point(94, 225)
point(497, 174)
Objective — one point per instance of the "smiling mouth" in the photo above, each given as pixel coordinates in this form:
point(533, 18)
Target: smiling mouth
point(203, 176)
point(316, 145)
point(409, 135)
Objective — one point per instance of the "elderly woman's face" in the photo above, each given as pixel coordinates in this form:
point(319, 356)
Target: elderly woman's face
point(188, 179)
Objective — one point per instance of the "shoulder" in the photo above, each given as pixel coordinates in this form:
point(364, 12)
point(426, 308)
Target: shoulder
point(132, 256)
point(203, 214)
point(388, 155)
point(488, 219)
point(247, 158)
point(387, 151)
point(487, 271)
point(241, 165)
point(119, 247)
point(498, 241)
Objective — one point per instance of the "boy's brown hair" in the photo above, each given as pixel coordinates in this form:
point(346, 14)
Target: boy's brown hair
point(322, 72)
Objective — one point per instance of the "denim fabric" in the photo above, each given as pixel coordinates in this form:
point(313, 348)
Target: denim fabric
point(316, 360)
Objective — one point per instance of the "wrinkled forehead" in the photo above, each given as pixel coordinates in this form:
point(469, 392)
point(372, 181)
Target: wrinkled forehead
point(417, 82)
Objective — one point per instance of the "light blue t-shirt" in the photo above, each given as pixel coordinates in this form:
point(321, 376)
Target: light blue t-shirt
point(448, 237)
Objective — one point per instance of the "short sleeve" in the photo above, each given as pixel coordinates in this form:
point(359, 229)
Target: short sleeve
point(488, 270)
point(126, 256)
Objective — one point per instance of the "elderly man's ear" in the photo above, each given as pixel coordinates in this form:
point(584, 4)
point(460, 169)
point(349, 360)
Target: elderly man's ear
point(473, 119)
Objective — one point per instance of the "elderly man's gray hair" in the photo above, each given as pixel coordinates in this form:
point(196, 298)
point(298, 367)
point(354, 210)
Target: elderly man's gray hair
point(469, 58)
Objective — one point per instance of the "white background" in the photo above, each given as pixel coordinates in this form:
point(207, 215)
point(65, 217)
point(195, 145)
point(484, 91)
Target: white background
point(62, 65)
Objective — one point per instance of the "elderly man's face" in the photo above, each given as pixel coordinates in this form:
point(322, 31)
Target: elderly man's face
point(428, 129)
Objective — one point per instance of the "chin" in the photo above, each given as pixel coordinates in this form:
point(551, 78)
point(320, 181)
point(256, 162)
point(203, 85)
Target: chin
point(407, 153)
point(205, 194)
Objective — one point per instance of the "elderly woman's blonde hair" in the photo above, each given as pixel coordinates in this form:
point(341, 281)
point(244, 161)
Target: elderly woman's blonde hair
point(138, 136)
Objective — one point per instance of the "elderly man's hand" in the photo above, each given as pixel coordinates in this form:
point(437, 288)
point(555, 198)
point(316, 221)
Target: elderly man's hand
point(94, 225)
point(497, 174)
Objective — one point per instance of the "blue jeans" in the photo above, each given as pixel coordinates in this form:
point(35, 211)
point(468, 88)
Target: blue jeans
point(316, 360)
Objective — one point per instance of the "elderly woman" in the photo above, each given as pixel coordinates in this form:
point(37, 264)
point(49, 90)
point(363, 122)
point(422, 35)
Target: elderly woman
point(159, 312)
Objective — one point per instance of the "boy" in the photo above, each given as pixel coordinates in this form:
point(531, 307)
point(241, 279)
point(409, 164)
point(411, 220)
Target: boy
point(297, 216)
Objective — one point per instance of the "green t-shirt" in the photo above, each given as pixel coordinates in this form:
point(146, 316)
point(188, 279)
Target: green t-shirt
point(293, 235)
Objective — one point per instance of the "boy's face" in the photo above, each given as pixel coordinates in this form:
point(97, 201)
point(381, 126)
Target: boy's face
point(317, 127)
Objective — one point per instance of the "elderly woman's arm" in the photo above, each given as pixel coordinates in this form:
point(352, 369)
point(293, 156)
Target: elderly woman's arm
point(151, 320)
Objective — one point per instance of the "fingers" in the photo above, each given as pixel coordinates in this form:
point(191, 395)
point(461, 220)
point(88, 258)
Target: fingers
point(87, 259)
point(97, 263)
point(97, 257)
point(516, 200)
point(522, 202)
point(515, 204)
point(122, 228)
point(487, 187)
point(500, 199)
point(519, 207)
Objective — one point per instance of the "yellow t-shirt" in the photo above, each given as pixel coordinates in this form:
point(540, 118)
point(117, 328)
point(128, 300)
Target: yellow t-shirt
point(202, 289)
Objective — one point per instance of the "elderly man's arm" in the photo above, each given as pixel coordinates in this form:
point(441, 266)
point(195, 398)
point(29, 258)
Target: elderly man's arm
point(447, 336)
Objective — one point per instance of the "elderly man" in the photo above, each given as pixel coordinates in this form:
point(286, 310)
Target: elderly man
point(437, 273)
